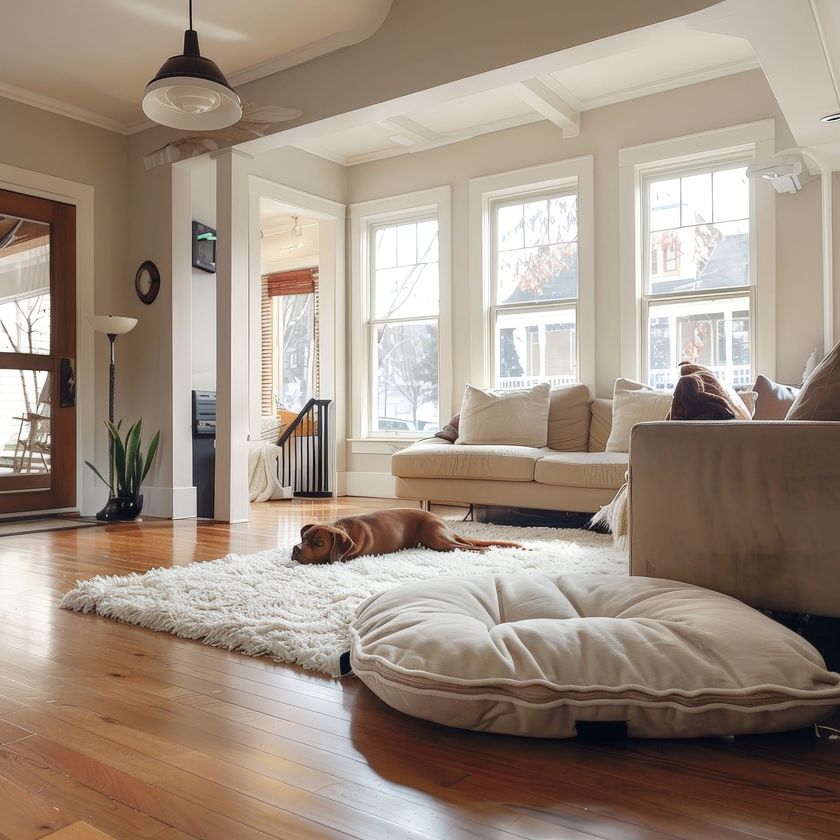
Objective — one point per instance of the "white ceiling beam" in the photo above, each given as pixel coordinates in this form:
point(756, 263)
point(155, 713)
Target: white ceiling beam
point(537, 94)
point(407, 132)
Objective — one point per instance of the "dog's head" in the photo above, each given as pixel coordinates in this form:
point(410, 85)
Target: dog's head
point(322, 544)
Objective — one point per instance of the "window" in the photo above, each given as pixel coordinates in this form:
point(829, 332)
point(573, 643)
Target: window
point(534, 289)
point(697, 286)
point(403, 326)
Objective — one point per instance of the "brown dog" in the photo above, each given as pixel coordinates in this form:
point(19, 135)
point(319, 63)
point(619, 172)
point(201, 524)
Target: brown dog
point(382, 533)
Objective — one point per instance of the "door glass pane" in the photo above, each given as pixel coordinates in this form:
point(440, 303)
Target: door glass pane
point(24, 286)
point(25, 424)
point(406, 377)
point(714, 333)
point(534, 347)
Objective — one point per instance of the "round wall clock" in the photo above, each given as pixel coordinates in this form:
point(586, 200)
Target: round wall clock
point(147, 282)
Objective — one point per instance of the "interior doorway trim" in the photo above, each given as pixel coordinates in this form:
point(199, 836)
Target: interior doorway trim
point(81, 196)
point(332, 304)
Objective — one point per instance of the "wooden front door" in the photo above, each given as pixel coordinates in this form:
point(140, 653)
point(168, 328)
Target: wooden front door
point(37, 354)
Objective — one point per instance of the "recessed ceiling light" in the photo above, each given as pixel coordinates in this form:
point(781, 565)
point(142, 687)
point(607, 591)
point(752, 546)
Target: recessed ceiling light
point(830, 118)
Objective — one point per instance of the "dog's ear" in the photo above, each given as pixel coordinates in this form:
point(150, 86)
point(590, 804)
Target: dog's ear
point(306, 529)
point(342, 545)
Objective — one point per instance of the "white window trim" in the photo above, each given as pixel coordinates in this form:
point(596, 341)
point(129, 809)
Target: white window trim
point(363, 216)
point(750, 141)
point(573, 173)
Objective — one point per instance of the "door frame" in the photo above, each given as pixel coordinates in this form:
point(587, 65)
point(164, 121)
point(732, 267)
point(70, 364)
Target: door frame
point(16, 179)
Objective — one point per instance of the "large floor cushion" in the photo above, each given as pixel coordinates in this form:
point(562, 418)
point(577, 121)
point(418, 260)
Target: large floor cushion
point(548, 656)
point(582, 469)
point(439, 459)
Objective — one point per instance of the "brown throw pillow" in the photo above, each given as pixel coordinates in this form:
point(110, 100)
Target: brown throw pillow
point(450, 430)
point(700, 395)
point(774, 400)
point(819, 398)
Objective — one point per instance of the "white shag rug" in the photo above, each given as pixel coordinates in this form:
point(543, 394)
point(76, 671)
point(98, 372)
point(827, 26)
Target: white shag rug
point(265, 604)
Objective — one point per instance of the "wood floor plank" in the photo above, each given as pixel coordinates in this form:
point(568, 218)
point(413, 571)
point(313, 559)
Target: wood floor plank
point(27, 816)
point(80, 831)
point(134, 734)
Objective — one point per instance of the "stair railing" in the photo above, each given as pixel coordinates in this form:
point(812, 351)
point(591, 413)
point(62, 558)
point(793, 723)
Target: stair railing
point(304, 463)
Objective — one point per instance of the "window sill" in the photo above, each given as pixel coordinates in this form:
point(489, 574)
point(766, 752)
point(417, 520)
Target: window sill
point(380, 446)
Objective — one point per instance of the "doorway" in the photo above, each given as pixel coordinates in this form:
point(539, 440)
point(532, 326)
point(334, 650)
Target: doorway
point(37, 354)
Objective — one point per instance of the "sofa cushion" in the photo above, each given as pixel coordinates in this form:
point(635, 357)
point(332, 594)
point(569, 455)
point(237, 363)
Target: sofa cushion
point(526, 654)
point(568, 418)
point(438, 459)
point(582, 469)
point(515, 418)
point(600, 425)
point(819, 398)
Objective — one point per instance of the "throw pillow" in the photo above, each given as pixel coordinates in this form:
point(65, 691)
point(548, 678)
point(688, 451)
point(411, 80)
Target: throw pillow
point(634, 403)
point(513, 418)
point(819, 398)
point(700, 395)
point(450, 431)
point(774, 400)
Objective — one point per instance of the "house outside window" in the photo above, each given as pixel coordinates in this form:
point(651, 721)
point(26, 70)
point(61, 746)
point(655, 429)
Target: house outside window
point(403, 327)
point(534, 289)
point(697, 278)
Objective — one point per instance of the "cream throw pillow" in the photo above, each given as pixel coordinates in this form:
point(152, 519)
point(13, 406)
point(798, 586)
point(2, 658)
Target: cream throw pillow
point(513, 418)
point(634, 403)
point(819, 398)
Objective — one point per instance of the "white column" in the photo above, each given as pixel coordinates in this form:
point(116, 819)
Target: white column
point(232, 364)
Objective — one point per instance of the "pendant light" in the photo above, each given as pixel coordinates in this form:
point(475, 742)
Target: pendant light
point(190, 91)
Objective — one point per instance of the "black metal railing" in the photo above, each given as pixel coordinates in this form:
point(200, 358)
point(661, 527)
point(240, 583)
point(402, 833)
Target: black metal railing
point(305, 456)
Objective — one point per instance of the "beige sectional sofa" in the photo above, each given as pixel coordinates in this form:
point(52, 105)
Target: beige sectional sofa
point(573, 472)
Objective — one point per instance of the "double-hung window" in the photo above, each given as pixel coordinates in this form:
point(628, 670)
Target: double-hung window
point(534, 289)
point(698, 288)
point(403, 326)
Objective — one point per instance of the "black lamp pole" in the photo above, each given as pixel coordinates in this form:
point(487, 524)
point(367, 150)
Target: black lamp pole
point(112, 337)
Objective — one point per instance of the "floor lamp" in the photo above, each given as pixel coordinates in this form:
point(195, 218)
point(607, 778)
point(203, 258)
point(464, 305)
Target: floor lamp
point(112, 326)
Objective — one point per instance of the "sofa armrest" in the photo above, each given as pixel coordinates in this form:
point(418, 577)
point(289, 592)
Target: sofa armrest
point(751, 509)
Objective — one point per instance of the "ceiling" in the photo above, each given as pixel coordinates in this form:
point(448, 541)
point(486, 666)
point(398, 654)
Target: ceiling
point(94, 58)
point(651, 64)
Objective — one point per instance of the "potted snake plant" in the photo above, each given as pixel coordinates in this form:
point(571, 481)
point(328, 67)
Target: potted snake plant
point(127, 470)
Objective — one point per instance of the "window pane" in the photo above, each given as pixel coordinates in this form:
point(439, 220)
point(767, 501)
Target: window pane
point(714, 333)
point(427, 241)
point(537, 274)
point(510, 228)
point(385, 244)
point(24, 286)
point(405, 368)
point(732, 195)
point(410, 289)
point(534, 347)
point(536, 222)
point(664, 204)
point(407, 244)
point(407, 292)
point(296, 353)
point(699, 257)
point(563, 219)
point(25, 425)
point(696, 199)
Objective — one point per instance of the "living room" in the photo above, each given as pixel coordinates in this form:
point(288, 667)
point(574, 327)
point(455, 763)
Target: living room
point(417, 199)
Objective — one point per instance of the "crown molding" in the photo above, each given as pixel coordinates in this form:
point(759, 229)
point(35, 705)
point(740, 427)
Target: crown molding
point(62, 109)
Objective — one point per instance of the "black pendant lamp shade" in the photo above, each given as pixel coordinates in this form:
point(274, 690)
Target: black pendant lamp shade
point(190, 92)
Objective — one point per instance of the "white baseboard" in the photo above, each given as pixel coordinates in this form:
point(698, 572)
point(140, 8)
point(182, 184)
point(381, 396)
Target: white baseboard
point(373, 484)
point(169, 502)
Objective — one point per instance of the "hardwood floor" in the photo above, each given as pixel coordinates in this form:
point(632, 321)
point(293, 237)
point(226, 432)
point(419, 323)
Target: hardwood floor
point(109, 730)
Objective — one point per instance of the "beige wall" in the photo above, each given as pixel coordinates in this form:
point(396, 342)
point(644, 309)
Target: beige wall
point(43, 142)
point(715, 104)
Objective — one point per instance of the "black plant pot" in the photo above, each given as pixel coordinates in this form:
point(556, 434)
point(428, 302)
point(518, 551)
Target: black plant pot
point(122, 508)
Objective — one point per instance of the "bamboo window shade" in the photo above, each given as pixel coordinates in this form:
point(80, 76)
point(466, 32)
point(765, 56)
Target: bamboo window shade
point(301, 281)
